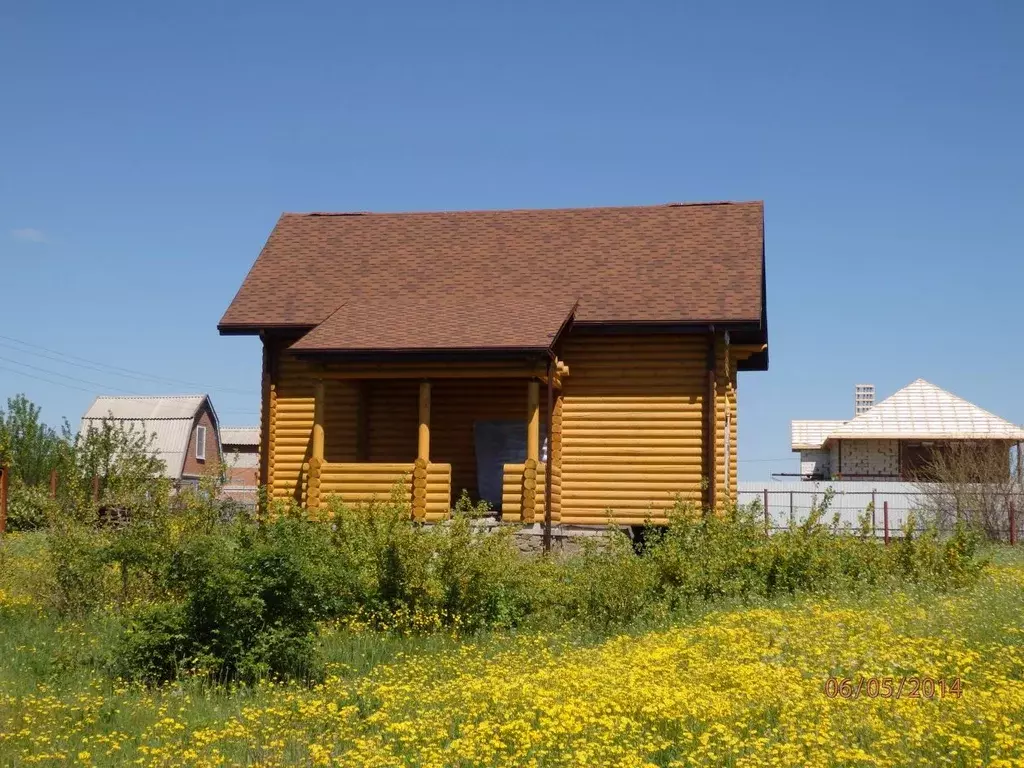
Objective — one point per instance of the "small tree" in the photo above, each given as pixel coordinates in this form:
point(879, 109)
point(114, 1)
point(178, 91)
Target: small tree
point(120, 459)
point(970, 482)
point(30, 447)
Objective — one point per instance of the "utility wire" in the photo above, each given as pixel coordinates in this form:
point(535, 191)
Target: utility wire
point(64, 375)
point(104, 367)
point(48, 381)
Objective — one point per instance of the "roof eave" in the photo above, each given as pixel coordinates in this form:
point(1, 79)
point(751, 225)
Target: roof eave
point(255, 329)
point(424, 355)
point(927, 436)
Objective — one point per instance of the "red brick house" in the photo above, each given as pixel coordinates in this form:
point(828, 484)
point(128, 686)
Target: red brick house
point(185, 429)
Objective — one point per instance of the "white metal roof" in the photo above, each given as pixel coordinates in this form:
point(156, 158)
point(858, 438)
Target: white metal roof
point(808, 434)
point(919, 411)
point(240, 436)
point(168, 418)
point(923, 410)
point(131, 407)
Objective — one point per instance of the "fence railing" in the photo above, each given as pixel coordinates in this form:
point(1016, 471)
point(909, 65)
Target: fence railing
point(886, 505)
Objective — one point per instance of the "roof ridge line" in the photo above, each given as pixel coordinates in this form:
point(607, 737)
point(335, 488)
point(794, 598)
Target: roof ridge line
point(567, 209)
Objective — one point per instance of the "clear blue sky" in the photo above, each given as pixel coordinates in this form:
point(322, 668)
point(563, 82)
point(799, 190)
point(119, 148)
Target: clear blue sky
point(147, 149)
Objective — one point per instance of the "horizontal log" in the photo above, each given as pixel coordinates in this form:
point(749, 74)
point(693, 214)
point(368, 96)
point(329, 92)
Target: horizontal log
point(615, 428)
point(370, 466)
point(668, 453)
point(635, 507)
point(575, 458)
point(615, 496)
point(638, 440)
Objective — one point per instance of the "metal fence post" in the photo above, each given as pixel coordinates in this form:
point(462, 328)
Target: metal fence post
point(874, 503)
point(4, 471)
point(1013, 524)
point(885, 519)
point(792, 519)
point(766, 518)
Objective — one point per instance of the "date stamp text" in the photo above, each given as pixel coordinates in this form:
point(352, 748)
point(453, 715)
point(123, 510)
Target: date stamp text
point(893, 688)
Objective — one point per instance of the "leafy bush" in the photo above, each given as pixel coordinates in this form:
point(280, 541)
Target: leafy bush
point(395, 574)
point(244, 603)
point(606, 583)
point(244, 599)
point(29, 507)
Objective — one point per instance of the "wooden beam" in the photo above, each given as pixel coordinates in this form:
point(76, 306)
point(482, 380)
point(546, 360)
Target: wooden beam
point(743, 351)
point(547, 469)
point(363, 421)
point(423, 445)
point(318, 420)
point(266, 383)
point(316, 461)
point(533, 420)
point(710, 427)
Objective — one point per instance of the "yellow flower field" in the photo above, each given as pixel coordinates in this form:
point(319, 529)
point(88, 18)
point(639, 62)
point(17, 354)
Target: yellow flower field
point(742, 687)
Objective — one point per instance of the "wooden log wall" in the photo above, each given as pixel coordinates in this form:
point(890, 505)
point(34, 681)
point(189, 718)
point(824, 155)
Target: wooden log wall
point(290, 424)
point(380, 425)
point(512, 495)
point(362, 483)
point(632, 426)
point(626, 430)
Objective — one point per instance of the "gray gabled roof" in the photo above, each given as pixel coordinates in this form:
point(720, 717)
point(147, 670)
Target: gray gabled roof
point(168, 418)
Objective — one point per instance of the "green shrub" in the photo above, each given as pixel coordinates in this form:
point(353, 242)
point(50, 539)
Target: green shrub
point(924, 556)
point(29, 507)
point(396, 574)
point(607, 584)
point(78, 564)
point(244, 604)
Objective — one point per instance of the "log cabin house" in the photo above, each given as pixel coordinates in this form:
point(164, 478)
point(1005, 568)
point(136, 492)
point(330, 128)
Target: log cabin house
point(576, 363)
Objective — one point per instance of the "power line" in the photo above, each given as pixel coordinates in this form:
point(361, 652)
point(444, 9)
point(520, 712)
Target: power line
point(64, 375)
point(48, 381)
point(118, 371)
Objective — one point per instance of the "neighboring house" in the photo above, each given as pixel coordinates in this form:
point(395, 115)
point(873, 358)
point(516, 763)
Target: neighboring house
point(898, 438)
point(184, 429)
point(437, 347)
point(240, 447)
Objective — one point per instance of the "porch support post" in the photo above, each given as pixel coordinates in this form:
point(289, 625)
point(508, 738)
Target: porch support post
point(423, 445)
point(529, 498)
point(710, 427)
point(548, 463)
point(363, 421)
point(316, 460)
point(419, 472)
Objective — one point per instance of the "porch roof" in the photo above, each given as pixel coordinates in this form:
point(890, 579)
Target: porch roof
point(503, 322)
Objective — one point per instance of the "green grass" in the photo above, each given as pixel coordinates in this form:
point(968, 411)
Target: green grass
point(46, 658)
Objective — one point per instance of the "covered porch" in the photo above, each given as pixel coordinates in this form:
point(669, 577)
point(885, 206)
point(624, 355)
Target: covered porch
point(492, 429)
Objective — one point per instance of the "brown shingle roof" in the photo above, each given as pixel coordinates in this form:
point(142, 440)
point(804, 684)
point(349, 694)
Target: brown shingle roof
point(486, 279)
point(503, 321)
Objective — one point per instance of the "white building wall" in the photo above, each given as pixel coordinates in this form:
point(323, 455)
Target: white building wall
point(817, 463)
point(874, 458)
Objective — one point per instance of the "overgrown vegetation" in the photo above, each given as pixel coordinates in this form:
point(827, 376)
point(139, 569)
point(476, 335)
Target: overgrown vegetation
point(359, 636)
point(971, 482)
point(227, 597)
point(246, 599)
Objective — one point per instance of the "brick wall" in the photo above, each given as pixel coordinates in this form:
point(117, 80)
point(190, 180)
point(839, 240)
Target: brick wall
point(193, 466)
point(816, 463)
point(873, 458)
